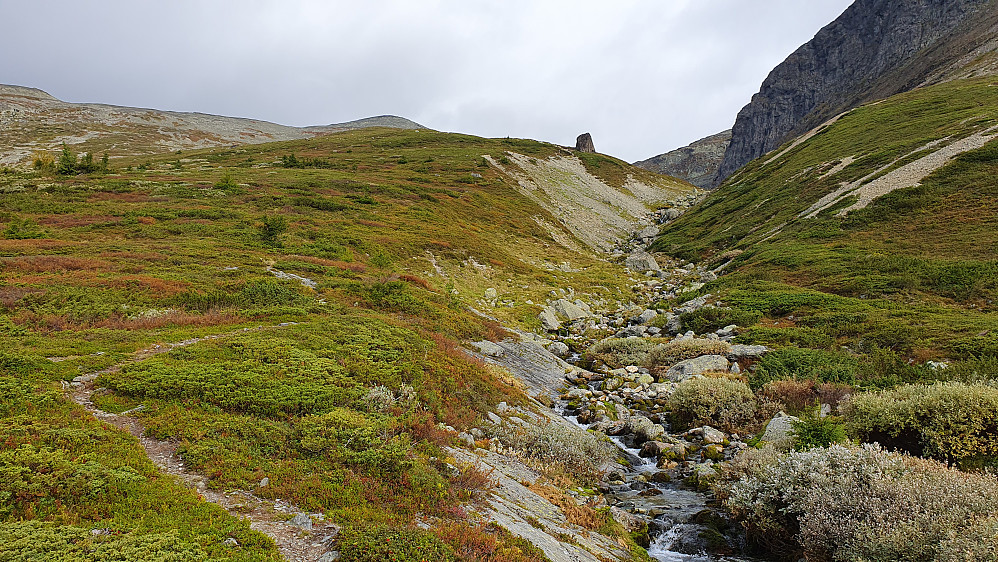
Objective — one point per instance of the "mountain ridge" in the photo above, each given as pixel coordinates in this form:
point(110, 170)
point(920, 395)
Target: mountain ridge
point(853, 61)
point(123, 130)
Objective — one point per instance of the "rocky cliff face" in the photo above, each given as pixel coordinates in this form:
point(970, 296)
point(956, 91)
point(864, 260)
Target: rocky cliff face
point(696, 163)
point(875, 49)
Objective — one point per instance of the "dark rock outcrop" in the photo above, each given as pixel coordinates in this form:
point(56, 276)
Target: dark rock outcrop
point(875, 49)
point(696, 163)
point(584, 143)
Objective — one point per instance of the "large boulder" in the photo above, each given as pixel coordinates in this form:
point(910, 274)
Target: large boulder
point(549, 319)
point(641, 261)
point(697, 366)
point(740, 351)
point(644, 430)
point(584, 143)
point(779, 430)
point(569, 310)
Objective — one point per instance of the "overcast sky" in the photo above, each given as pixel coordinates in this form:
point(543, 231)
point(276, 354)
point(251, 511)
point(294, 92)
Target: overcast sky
point(643, 76)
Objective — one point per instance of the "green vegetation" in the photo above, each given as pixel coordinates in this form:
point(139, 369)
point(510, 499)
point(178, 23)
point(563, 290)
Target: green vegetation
point(818, 503)
point(336, 392)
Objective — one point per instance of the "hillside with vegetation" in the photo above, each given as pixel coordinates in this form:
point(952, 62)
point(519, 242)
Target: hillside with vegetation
point(863, 254)
point(279, 327)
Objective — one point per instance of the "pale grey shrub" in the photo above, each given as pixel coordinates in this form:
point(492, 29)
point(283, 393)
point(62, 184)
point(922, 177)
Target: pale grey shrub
point(578, 452)
point(857, 503)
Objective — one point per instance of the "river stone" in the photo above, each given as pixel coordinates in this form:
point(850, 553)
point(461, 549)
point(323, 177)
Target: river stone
point(652, 448)
point(644, 429)
point(559, 349)
point(711, 435)
point(779, 430)
point(641, 261)
point(569, 310)
point(740, 351)
point(696, 366)
point(549, 319)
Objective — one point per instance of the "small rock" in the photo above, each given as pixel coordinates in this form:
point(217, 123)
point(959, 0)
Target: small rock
point(491, 294)
point(740, 351)
point(494, 418)
point(467, 439)
point(711, 435)
point(302, 521)
point(549, 320)
point(779, 430)
point(697, 366)
point(641, 261)
point(559, 348)
point(264, 482)
point(331, 556)
point(230, 542)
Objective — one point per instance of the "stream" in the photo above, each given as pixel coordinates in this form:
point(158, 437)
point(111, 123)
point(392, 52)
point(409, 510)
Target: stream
point(669, 507)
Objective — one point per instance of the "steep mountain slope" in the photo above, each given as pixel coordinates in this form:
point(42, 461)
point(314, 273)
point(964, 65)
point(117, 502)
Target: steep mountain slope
point(696, 163)
point(32, 120)
point(875, 49)
point(875, 231)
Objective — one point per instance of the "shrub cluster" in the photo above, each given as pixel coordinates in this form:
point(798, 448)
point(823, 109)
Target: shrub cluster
point(379, 543)
point(35, 540)
point(804, 364)
point(617, 352)
point(860, 503)
point(718, 402)
point(708, 319)
point(953, 421)
point(667, 354)
point(578, 452)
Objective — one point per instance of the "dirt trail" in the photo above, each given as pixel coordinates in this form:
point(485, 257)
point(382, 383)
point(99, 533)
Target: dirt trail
point(300, 536)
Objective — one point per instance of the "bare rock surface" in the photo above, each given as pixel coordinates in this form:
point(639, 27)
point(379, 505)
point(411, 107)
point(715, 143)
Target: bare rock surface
point(584, 143)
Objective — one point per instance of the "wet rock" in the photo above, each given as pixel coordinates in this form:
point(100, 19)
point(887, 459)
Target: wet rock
point(644, 430)
point(711, 435)
point(559, 348)
point(652, 449)
point(696, 366)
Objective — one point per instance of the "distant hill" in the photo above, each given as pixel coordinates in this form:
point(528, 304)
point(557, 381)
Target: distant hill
point(696, 163)
point(32, 120)
point(875, 49)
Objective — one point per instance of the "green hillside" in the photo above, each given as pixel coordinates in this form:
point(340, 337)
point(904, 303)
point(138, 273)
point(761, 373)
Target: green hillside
point(326, 284)
point(911, 277)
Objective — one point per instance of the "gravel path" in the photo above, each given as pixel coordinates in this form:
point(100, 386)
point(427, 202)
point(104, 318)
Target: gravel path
point(300, 536)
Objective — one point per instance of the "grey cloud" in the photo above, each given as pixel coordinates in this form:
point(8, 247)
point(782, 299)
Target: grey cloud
point(644, 76)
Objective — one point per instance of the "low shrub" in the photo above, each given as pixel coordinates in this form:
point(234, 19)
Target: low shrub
point(947, 420)
point(35, 540)
point(724, 403)
point(796, 397)
point(380, 543)
point(617, 352)
point(857, 503)
point(804, 364)
point(812, 430)
point(558, 445)
point(670, 353)
point(710, 319)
